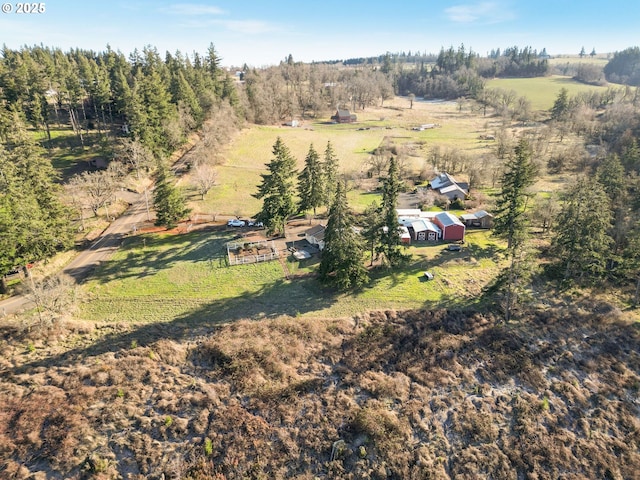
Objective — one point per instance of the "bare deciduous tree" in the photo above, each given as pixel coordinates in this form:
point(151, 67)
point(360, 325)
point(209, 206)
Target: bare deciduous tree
point(97, 188)
point(135, 154)
point(52, 296)
point(203, 177)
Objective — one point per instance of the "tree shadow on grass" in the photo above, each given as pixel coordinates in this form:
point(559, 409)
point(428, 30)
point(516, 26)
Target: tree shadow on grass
point(143, 255)
point(280, 298)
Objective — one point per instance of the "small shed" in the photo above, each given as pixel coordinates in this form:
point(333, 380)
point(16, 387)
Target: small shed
point(479, 219)
point(405, 236)
point(315, 236)
point(452, 228)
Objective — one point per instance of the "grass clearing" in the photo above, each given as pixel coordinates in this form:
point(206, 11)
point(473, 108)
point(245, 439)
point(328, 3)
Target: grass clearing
point(542, 91)
point(162, 278)
point(251, 150)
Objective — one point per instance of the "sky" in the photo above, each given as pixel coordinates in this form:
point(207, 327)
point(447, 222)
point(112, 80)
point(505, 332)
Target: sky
point(264, 32)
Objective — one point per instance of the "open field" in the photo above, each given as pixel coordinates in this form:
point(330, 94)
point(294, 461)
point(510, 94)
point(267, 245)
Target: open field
point(600, 59)
point(542, 91)
point(353, 144)
point(458, 128)
point(158, 278)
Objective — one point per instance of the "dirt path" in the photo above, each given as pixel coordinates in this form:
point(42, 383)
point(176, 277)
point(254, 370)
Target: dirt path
point(99, 251)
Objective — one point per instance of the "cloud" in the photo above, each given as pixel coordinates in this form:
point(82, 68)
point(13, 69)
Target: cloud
point(243, 27)
point(199, 16)
point(192, 9)
point(248, 27)
point(482, 12)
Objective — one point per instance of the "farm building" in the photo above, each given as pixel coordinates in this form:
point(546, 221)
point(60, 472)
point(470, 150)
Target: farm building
point(452, 228)
point(431, 226)
point(405, 236)
point(315, 236)
point(448, 186)
point(479, 219)
point(421, 229)
point(344, 116)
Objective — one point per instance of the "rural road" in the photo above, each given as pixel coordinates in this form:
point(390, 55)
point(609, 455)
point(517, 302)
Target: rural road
point(98, 252)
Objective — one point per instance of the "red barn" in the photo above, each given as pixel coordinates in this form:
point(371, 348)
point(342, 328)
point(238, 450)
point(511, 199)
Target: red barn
point(344, 116)
point(452, 228)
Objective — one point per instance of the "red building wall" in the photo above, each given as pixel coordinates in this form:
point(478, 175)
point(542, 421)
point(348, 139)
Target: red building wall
point(453, 232)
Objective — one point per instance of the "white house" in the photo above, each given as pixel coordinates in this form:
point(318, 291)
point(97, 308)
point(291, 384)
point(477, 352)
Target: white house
point(315, 236)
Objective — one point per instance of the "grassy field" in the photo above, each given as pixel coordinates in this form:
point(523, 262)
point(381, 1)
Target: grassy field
point(458, 128)
point(541, 91)
point(247, 155)
point(161, 278)
point(164, 278)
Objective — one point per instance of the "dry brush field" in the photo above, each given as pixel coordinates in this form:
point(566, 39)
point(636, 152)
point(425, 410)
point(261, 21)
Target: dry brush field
point(391, 394)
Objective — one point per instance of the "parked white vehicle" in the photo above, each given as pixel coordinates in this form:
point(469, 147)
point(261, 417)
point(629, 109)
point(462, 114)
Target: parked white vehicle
point(234, 222)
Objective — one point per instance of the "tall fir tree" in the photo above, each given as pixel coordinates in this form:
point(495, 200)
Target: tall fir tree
point(342, 265)
point(560, 108)
point(631, 264)
point(168, 201)
point(311, 185)
point(330, 169)
point(390, 246)
point(611, 175)
point(511, 223)
point(372, 228)
point(277, 190)
point(581, 243)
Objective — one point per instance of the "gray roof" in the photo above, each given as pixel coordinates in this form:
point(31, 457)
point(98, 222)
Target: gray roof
point(317, 232)
point(447, 219)
point(483, 213)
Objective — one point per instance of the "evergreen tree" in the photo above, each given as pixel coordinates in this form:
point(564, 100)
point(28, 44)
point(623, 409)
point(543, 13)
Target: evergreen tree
point(631, 156)
point(631, 264)
point(229, 92)
point(390, 244)
point(560, 108)
point(277, 190)
point(182, 92)
point(311, 183)
point(511, 222)
point(330, 168)
point(372, 229)
point(34, 224)
point(581, 243)
point(168, 201)
point(341, 264)
point(610, 174)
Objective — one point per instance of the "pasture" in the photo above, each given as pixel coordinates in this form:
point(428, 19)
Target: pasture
point(393, 123)
point(163, 277)
point(459, 127)
point(542, 91)
point(185, 277)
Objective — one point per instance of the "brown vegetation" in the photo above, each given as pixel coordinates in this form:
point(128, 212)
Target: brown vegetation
point(404, 395)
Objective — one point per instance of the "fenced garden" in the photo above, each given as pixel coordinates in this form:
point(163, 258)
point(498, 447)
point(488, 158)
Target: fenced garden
point(241, 253)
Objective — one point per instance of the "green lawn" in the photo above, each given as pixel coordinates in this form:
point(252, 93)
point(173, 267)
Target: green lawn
point(162, 278)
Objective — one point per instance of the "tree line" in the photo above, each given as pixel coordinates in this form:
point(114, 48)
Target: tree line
point(594, 229)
